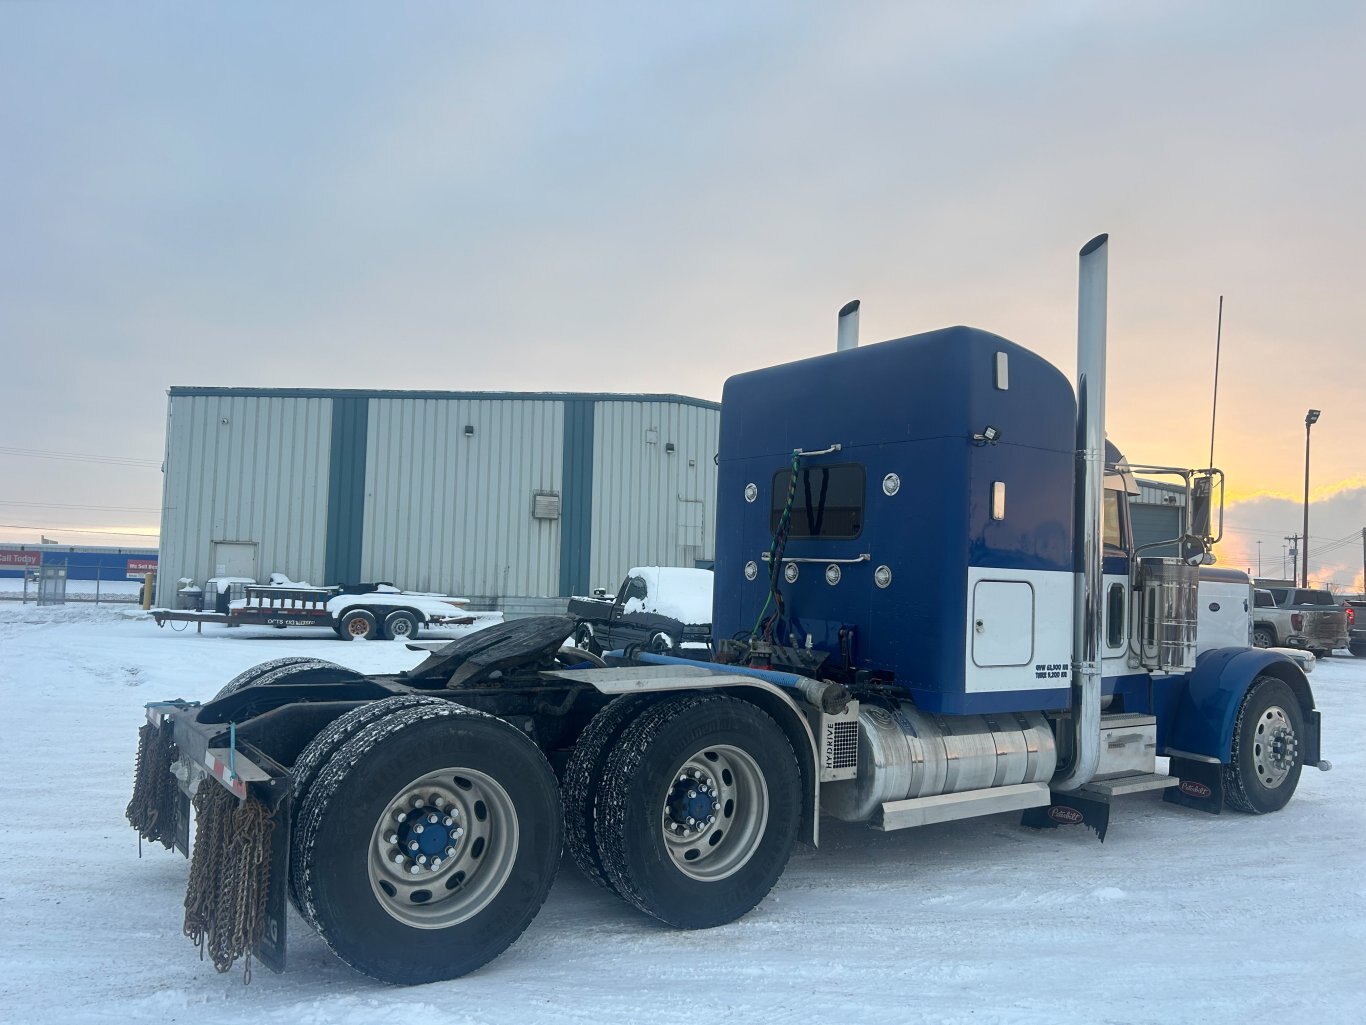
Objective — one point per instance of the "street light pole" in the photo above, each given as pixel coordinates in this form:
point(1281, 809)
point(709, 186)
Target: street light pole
point(1310, 419)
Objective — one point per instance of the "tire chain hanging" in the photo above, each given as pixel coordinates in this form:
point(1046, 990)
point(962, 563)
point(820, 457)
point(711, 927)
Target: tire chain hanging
point(152, 810)
point(225, 900)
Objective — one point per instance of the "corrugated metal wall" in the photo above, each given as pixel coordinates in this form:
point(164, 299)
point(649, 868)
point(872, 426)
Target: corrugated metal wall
point(244, 468)
point(652, 507)
point(446, 512)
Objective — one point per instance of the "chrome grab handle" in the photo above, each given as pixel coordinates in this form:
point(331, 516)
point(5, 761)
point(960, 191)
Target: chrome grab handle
point(865, 557)
point(820, 452)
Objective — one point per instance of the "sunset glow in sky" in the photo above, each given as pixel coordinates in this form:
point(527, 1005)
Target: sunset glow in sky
point(646, 198)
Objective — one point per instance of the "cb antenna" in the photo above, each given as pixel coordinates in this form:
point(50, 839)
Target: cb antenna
point(1214, 413)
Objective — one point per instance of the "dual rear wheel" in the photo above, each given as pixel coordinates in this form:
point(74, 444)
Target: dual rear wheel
point(427, 835)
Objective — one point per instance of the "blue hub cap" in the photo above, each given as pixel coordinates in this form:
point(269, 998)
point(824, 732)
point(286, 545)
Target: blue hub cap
point(428, 833)
point(692, 802)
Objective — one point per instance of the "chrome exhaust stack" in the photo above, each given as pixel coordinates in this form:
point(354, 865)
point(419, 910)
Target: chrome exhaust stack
point(847, 337)
point(1089, 510)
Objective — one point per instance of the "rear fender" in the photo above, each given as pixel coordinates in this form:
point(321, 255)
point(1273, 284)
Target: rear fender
point(1208, 705)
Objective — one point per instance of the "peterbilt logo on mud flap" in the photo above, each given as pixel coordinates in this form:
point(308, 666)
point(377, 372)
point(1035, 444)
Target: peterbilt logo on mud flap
point(1067, 816)
point(1191, 788)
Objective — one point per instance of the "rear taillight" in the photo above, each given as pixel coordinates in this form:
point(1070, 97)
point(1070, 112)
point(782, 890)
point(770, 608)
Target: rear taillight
point(1351, 616)
point(1296, 621)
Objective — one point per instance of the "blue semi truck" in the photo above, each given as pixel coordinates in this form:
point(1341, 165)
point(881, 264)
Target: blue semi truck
point(927, 606)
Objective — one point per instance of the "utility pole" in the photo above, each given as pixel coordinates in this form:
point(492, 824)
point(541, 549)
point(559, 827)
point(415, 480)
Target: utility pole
point(1363, 560)
point(1310, 419)
point(1294, 540)
point(1259, 553)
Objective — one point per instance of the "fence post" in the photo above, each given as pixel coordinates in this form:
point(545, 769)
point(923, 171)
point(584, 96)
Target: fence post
point(99, 573)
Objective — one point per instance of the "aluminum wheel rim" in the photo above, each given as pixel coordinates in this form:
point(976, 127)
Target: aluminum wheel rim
point(1275, 748)
point(710, 851)
point(427, 896)
point(401, 627)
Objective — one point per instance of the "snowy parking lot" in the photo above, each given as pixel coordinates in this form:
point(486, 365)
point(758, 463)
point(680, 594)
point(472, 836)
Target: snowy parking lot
point(1177, 917)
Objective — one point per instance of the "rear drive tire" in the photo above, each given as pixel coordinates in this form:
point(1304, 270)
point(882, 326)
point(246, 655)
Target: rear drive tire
point(277, 670)
point(1264, 769)
point(1359, 650)
point(498, 853)
point(358, 624)
point(583, 778)
point(326, 744)
point(1263, 637)
point(401, 625)
point(698, 809)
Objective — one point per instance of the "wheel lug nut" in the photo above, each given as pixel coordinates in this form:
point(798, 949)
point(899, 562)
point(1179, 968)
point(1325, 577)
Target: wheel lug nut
point(692, 793)
point(417, 828)
point(458, 832)
point(450, 852)
point(391, 838)
point(398, 859)
point(413, 845)
point(432, 817)
point(401, 816)
point(436, 864)
point(438, 802)
point(447, 821)
point(422, 859)
point(414, 869)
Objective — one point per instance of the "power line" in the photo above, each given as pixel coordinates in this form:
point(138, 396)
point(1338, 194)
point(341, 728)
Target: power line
point(102, 508)
point(80, 457)
point(74, 530)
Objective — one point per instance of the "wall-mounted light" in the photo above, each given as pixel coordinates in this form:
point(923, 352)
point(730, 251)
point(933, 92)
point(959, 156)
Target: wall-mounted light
point(469, 430)
point(989, 436)
point(668, 446)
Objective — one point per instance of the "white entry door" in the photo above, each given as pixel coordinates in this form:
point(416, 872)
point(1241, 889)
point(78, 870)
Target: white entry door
point(234, 559)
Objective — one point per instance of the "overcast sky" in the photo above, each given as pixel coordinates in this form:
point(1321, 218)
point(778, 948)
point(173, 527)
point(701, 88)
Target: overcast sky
point(647, 198)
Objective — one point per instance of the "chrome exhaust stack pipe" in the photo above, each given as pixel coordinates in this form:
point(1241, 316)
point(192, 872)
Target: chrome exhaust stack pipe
point(848, 326)
point(1089, 510)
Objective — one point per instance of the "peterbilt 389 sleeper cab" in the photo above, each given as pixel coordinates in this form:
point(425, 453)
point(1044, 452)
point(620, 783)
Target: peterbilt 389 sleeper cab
point(928, 607)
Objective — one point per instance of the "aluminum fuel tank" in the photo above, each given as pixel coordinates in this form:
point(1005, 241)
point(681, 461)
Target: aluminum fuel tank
point(904, 752)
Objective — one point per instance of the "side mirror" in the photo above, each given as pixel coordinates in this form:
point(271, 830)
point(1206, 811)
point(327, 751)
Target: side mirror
point(1202, 496)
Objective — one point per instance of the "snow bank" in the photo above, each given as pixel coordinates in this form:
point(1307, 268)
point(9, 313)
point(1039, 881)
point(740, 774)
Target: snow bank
point(1178, 918)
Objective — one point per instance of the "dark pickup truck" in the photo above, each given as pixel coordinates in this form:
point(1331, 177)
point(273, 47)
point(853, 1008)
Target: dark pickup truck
point(661, 608)
point(1356, 623)
point(1322, 622)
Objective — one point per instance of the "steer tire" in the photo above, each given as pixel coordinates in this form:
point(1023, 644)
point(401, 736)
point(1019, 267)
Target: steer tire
point(407, 928)
point(580, 787)
point(272, 672)
point(329, 741)
point(718, 874)
point(1255, 779)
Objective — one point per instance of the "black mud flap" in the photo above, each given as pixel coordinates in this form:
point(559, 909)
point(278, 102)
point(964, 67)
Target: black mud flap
point(180, 835)
point(271, 950)
point(1201, 786)
point(1070, 809)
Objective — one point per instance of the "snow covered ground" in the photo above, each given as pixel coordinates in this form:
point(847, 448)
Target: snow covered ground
point(1177, 917)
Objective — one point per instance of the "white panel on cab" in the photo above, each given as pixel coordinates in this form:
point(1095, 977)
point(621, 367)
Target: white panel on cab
point(1002, 623)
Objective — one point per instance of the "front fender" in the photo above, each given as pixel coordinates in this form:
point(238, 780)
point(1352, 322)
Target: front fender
point(1213, 692)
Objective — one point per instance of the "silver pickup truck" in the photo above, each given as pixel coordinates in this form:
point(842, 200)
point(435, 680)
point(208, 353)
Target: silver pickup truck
point(1298, 617)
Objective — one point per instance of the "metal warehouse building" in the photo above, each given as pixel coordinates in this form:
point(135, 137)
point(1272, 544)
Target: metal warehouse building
point(500, 497)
